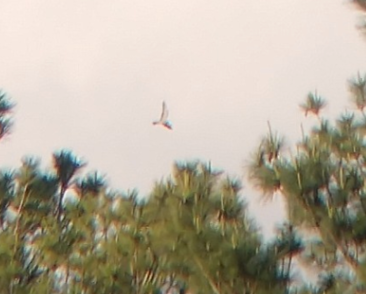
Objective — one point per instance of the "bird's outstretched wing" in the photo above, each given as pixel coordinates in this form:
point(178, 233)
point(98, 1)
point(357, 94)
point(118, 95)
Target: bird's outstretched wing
point(164, 113)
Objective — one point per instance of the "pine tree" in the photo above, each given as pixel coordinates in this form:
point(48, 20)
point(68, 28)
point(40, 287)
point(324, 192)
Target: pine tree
point(324, 189)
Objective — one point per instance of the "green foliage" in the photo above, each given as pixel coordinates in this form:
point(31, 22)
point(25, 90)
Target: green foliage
point(192, 231)
point(6, 108)
point(313, 104)
point(323, 185)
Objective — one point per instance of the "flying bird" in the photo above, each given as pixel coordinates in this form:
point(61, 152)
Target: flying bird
point(163, 118)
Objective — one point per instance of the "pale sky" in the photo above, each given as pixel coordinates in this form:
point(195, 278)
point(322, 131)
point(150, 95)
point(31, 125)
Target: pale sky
point(91, 75)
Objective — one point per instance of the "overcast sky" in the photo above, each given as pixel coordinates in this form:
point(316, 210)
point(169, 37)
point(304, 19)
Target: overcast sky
point(91, 75)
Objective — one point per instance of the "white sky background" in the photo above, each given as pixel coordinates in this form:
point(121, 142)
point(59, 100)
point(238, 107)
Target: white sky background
point(91, 75)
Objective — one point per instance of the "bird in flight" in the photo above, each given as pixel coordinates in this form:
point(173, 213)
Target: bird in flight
point(163, 118)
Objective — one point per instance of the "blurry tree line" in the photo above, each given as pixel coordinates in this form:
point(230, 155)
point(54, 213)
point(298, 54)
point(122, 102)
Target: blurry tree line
point(63, 231)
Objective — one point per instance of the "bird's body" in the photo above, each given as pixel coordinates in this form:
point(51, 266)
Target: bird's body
point(163, 121)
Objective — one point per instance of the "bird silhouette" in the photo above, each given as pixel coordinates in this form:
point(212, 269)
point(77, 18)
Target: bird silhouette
point(163, 118)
